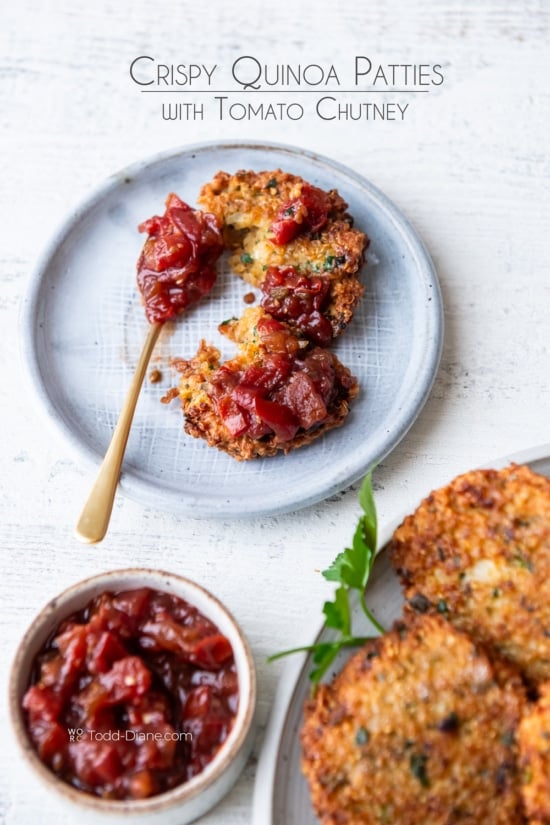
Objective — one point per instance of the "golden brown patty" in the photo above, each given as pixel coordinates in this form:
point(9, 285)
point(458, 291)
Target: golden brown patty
point(478, 550)
point(417, 729)
point(534, 762)
point(247, 203)
point(202, 375)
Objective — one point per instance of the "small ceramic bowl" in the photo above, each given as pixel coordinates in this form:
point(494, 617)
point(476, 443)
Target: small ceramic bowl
point(191, 799)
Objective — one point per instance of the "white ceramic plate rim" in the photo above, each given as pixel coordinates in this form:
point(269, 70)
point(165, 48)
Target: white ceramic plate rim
point(148, 490)
point(294, 670)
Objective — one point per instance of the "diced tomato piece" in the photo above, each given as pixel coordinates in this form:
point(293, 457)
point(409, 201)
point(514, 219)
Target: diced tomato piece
point(106, 650)
point(305, 402)
point(233, 416)
point(246, 396)
point(71, 642)
point(319, 365)
point(141, 785)
point(108, 618)
point(317, 205)
point(285, 230)
point(93, 699)
point(268, 326)
point(224, 681)
point(212, 651)
point(42, 702)
point(206, 719)
point(128, 679)
point(224, 380)
point(157, 747)
point(212, 734)
point(306, 213)
point(133, 603)
point(257, 428)
point(278, 418)
point(50, 671)
point(276, 337)
point(198, 702)
point(95, 762)
point(50, 739)
point(165, 251)
point(173, 201)
point(72, 646)
point(187, 224)
point(164, 633)
point(152, 709)
point(316, 327)
point(275, 368)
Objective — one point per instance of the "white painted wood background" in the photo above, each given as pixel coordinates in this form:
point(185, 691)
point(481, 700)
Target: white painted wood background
point(469, 166)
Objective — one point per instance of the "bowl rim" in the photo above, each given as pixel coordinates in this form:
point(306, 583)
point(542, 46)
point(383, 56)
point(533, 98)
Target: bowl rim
point(57, 608)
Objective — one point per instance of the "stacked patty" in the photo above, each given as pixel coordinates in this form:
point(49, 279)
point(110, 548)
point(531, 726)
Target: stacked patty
point(417, 729)
point(296, 243)
point(430, 723)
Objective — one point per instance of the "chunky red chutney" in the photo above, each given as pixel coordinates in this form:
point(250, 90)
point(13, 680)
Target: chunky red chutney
point(291, 388)
point(306, 213)
point(177, 263)
point(298, 299)
point(132, 696)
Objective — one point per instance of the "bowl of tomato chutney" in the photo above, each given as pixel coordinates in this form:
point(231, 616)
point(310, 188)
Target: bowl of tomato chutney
point(133, 694)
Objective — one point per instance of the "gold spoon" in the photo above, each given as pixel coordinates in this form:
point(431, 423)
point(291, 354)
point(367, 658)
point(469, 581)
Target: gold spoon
point(96, 514)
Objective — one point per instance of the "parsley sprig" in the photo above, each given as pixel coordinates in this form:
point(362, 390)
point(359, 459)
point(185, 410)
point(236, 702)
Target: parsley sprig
point(351, 569)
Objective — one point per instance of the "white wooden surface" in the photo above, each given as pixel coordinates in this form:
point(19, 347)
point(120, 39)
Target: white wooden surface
point(469, 165)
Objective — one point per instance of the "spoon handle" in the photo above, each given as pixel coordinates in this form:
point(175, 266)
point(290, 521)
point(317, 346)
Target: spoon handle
point(94, 519)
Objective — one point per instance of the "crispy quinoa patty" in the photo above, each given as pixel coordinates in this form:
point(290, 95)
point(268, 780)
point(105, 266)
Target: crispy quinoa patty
point(417, 729)
point(202, 374)
point(478, 550)
point(247, 203)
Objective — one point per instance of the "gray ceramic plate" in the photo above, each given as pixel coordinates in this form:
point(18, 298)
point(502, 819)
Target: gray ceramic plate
point(281, 795)
point(83, 327)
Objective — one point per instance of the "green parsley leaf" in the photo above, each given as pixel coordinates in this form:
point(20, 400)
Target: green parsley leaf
point(417, 764)
point(362, 736)
point(333, 260)
point(351, 570)
point(337, 612)
point(352, 567)
point(246, 258)
point(323, 656)
point(369, 520)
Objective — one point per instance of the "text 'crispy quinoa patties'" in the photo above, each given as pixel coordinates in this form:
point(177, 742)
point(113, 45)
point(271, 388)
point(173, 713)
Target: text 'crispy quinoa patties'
point(478, 551)
point(417, 729)
point(534, 760)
